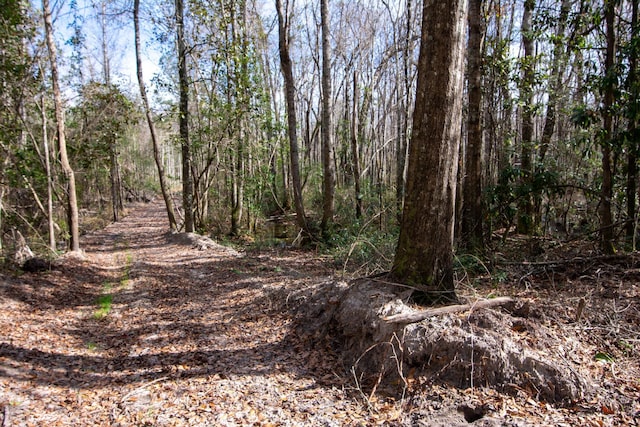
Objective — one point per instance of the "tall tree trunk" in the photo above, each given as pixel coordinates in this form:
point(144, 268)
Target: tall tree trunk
point(173, 225)
point(106, 69)
point(472, 233)
point(632, 157)
point(424, 256)
point(116, 185)
point(555, 88)
point(405, 101)
point(328, 167)
point(355, 158)
point(555, 80)
point(72, 201)
point(185, 143)
point(606, 218)
point(292, 125)
point(47, 164)
point(525, 204)
point(114, 170)
point(237, 189)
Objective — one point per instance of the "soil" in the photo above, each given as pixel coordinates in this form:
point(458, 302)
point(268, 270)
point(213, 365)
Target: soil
point(152, 328)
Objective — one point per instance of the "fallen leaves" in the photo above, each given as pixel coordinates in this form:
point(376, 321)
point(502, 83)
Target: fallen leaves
point(204, 337)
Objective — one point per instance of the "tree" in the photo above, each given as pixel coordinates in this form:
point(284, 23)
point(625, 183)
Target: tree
point(472, 233)
point(633, 113)
point(606, 217)
point(72, 202)
point(152, 129)
point(424, 255)
point(183, 78)
point(525, 205)
point(102, 119)
point(328, 167)
point(292, 122)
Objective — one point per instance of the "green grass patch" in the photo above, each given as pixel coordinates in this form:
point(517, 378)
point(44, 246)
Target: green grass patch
point(104, 306)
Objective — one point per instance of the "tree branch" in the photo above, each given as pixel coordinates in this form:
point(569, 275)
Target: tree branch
point(418, 316)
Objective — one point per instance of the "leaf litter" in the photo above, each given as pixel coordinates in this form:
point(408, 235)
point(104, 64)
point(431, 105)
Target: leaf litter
point(197, 334)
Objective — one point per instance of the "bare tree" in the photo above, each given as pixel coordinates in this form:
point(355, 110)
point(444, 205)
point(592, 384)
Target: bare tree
point(187, 183)
point(292, 124)
point(72, 201)
point(632, 156)
point(525, 205)
point(152, 129)
point(606, 218)
point(328, 167)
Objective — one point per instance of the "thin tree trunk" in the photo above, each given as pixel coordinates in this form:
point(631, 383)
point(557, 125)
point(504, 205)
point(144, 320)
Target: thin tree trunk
point(328, 167)
point(355, 158)
point(632, 157)
point(525, 205)
point(424, 256)
point(47, 163)
point(292, 125)
point(187, 183)
point(556, 81)
point(472, 232)
point(116, 193)
point(106, 69)
point(114, 172)
point(403, 135)
point(237, 189)
point(606, 218)
point(72, 201)
point(152, 129)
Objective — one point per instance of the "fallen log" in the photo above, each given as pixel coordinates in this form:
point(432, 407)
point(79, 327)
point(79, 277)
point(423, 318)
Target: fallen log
point(418, 316)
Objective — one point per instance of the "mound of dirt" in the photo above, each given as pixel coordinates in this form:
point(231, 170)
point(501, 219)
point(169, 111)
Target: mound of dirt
point(197, 241)
point(496, 348)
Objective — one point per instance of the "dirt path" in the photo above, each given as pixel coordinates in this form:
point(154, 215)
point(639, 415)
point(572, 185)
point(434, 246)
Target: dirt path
point(192, 337)
point(154, 329)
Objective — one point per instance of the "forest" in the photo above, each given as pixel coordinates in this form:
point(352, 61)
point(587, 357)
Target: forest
point(547, 149)
point(465, 150)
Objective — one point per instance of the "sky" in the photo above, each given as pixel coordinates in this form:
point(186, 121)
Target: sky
point(120, 38)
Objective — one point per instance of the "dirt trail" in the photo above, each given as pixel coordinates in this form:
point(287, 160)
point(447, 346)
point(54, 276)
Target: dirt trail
point(192, 337)
point(152, 329)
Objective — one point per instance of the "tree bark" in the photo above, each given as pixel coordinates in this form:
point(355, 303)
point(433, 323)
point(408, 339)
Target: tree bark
point(292, 122)
point(404, 102)
point(328, 167)
point(525, 204)
point(556, 81)
point(47, 164)
point(472, 232)
point(72, 201)
point(632, 157)
point(606, 218)
point(424, 256)
point(116, 186)
point(355, 157)
point(173, 225)
point(187, 183)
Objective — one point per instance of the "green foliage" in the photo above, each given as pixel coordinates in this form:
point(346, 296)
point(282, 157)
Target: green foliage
point(104, 306)
point(99, 122)
point(604, 357)
point(366, 245)
point(502, 198)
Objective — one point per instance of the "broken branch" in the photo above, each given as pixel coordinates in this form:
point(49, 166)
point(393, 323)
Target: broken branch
point(418, 316)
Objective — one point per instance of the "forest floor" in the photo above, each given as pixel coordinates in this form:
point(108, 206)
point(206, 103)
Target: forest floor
point(149, 329)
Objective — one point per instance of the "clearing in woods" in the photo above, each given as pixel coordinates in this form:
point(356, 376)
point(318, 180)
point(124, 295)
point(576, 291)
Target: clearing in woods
point(175, 330)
